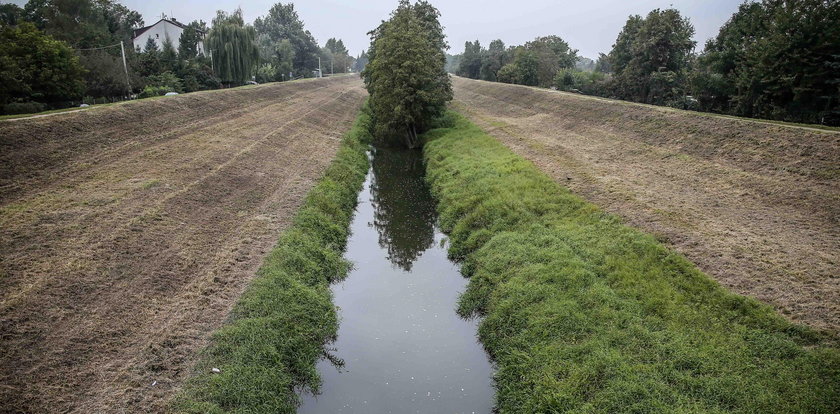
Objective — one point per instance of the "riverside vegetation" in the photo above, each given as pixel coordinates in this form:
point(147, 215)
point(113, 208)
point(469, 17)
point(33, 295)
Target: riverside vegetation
point(278, 329)
point(584, 314)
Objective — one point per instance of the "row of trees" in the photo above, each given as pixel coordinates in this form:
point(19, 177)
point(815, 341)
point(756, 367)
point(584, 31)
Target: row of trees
point(56, 52)
point(406, 75)
point(535, 63)
point(773, 59)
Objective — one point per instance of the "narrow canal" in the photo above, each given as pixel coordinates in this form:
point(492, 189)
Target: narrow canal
point(404, 348)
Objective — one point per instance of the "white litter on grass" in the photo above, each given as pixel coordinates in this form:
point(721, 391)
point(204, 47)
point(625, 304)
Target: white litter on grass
point(171, 94)
point(216, 371)
point(84, 106)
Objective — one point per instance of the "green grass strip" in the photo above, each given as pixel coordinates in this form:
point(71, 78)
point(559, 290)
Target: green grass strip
point(584, 314)
point(278, 328)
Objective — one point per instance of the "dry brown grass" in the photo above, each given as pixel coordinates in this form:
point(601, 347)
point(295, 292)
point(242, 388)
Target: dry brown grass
point(127, 233)
point(756, 205)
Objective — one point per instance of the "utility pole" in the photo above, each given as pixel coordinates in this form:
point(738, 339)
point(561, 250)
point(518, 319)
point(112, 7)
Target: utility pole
point(319, 67)
point(331, 67)
point(125, 67)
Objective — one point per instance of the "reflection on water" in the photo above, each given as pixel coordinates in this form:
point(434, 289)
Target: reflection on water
point(404, 348)
point(404, 212)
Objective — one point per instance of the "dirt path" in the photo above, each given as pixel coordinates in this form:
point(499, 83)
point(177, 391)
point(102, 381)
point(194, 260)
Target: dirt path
point(127, 233)
point(755, 205)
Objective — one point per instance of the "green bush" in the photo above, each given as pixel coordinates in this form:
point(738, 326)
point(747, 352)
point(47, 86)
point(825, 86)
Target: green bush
point(590, 83)
point(15, 108)
point(281, 324)
point(584, 314)
point(509, 74)
point(266, 73)
point(150, 91)
point(166, 80)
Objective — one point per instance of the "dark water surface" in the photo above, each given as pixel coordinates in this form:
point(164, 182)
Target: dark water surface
point(404, 348)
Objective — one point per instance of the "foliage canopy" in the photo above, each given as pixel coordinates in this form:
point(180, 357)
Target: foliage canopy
point(36, 66)
point(406, 76)
point(234, 48)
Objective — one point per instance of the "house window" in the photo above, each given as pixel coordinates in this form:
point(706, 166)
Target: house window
point(157, 36)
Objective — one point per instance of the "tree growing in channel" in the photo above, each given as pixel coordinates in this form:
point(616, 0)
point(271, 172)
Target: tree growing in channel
point(234, 48)
point(406, 75)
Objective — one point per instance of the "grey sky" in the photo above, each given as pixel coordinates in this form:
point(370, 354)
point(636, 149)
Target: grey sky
point(588, 25)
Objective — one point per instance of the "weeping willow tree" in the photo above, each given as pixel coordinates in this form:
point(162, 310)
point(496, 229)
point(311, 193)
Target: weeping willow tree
point(233, 47)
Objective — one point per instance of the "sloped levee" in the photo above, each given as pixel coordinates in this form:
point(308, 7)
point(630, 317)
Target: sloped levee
point(585, 314)
point(128, 232)
point(278, 328)
point(754, 204)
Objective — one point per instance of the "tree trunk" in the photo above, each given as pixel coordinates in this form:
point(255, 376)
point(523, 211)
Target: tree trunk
point(411, 137)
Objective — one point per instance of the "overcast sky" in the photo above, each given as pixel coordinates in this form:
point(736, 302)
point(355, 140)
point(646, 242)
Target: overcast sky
point(588, 25)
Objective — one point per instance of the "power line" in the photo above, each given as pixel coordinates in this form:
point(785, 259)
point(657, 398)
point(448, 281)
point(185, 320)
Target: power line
point(122, 53)
point(99, 48)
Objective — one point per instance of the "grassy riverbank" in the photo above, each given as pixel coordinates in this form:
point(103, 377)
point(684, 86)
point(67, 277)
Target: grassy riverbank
point(279, 326)
point(584, 314)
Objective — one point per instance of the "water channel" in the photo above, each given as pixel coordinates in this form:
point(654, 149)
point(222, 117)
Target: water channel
point(404, 348)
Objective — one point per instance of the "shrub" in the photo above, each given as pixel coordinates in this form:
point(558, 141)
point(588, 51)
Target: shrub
point(150, 91)
point(509, 74)
point(166, 80)
point(15, 108)
point(590, 83)
point(266, 73)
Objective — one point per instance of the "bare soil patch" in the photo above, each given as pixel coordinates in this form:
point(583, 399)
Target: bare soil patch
point(128, 232)
point(755, 205)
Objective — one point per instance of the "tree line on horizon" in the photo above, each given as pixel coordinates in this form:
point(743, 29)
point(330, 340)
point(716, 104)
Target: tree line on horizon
point(773, 59)
point(58, 53)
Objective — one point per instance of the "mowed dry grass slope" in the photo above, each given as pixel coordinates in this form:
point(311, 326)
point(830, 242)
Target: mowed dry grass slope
point(127, 233)
point(755, 205)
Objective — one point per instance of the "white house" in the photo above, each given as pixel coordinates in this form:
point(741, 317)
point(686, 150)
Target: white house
point(162, 30)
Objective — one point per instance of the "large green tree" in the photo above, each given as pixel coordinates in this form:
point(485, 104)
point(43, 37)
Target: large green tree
point(775, 59)
point(406, 76)
point(471, 60)
point(340, 60)
point(35, 66)
point(283, 23)
point(651, 57)
point(552, 54)
point(234, 48)
point(188, 42)
point(10, 14)
point(536, 63)
point(91, 24)
point(495, 57)
point(84, 23)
